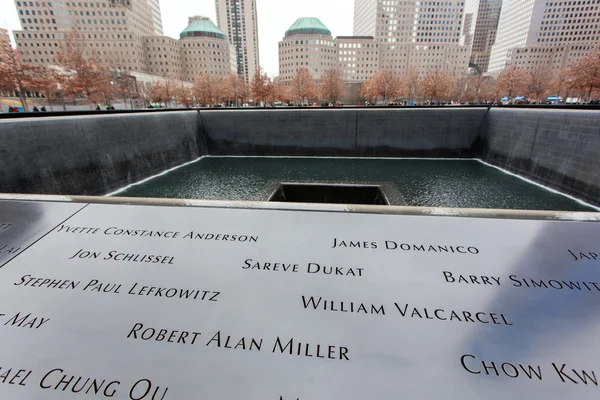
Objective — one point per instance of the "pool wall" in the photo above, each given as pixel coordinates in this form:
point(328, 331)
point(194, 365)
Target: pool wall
point(558, 149)
point(346, 132)
point(92, 155)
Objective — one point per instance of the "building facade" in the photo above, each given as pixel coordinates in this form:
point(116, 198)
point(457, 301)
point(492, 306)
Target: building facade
point(426, 35)
point(358, 57)
point(123, 35)
point(201, 48)
point(111, 30)
point(156, 17)
point(545, 34)
point(480, 27)
point(309, 44)
point(163, 56)
point(5, 45)
point(238, 19)
point(365, 17)
point(205, 48)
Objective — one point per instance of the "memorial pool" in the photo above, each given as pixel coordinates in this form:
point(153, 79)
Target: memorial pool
point(420, 182)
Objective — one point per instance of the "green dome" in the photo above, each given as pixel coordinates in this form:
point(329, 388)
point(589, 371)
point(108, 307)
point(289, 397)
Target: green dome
point(202, 26)
point(307, 26)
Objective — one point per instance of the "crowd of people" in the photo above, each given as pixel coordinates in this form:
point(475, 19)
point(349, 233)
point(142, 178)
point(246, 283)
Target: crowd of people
point(107, 107)
point(12, 109)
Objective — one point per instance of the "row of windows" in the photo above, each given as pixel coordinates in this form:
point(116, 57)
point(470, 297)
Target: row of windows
point(215, 45)
point(582, 39)
point(314, 49)
point(316, 41)
point(80, 13)
point(136, 65)
point(61, 36)
point(563, 33)
point(308, 57)
point(68, 4)
point(33, 12)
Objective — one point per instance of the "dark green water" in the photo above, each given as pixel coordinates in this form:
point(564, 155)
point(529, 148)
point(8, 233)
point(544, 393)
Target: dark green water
point(429, 183)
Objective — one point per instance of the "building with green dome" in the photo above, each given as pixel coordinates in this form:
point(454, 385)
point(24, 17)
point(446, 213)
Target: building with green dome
point(205, 48)
point(202, 27)
point(309, 44)
point(308, 26)
point(202, 47)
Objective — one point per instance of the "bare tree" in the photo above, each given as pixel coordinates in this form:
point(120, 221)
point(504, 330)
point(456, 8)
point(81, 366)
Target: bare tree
point(586, 73)
point(234, 88)
point(183, 94)
point(304, 85)
point(368, 91)
point(387, 85)
point(476, 85)
point(17, 75)
point(156, 93)
point(170, 89)
point(384, 84)
point(125, 86)
point(539, 82)
point(46, 83)
point(260, 87)
point(81, 75)
point(479, 88)
point(412, 81)
point(562, 82)
point(438, 85)
point(512, 81)
point(488, 89)
point(206, 88)
point(332, 85)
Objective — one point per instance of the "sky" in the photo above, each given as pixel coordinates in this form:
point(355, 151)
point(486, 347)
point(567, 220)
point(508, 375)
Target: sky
point(274, 18)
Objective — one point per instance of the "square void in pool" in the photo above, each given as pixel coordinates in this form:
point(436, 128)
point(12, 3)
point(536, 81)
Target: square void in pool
point(329, 193)
point(420, 182)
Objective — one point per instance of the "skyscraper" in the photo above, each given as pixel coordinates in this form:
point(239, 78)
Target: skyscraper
point(5, 45)
point(238, 19)
point(415, 33)
point(480, 27)
point(124, 35)
point(365, 17)
point(308, 44)
point(156, 17)
point(544, 34)
point(112, 30)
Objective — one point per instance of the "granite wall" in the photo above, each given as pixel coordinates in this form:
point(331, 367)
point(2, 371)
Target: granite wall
point(557, 148)
point(90, 155)
point(449, 132)
point(99, 154)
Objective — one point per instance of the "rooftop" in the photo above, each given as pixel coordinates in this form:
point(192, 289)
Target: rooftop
point(356, 37)
point(307, 26)
point(203, 27)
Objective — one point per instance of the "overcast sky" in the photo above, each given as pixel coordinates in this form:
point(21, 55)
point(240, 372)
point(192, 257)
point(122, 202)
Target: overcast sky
point(274, 18)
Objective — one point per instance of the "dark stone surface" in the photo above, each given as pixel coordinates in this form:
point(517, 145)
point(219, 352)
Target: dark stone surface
point(329, 194)
point(282, 132)
point(93, 155)
point(559, 149)
point(450, 132)
point(101, 153)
